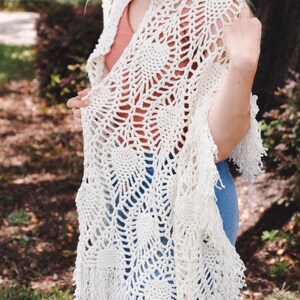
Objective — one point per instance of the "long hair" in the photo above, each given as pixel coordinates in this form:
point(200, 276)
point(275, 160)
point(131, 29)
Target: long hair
point(251, 6)
point(85, 6)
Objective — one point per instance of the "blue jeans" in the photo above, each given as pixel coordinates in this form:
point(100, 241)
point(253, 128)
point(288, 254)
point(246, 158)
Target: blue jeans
point(227, 201)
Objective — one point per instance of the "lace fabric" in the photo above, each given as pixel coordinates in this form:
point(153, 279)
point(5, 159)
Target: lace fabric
point(176, 247)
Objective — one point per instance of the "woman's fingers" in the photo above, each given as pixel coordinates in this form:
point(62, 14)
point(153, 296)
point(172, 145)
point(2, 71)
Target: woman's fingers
point(76, 116)
point(76, 112)
point(83, 92)
point(77, 120)
point(76, 126)
point(76, 102)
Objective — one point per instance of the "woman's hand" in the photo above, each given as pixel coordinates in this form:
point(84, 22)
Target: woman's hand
point(229, 116)
point(75, 103)
point(242, 40)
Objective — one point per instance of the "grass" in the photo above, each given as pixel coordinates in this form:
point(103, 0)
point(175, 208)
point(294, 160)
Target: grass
point(283, 294)
point(16, 63)
point(18, 218)
point(23, 293)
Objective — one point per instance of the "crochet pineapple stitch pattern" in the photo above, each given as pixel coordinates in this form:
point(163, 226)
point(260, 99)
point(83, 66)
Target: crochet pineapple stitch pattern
point(148, 220)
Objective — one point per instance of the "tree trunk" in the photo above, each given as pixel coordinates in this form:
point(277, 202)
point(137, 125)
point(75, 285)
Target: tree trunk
point(280, 47)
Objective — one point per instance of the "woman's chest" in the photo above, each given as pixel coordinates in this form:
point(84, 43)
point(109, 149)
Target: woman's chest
point(136, 11)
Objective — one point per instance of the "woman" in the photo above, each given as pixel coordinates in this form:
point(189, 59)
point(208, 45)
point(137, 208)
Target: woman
point(228, 119)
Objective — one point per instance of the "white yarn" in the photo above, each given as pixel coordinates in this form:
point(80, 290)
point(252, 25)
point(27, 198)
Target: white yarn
point(172, 229)
point(247, 154)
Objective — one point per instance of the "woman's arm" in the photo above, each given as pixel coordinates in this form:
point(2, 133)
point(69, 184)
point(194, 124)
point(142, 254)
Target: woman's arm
point(229, 115)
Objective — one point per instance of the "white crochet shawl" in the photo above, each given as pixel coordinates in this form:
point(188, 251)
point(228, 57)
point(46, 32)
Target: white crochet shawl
point(163, 239)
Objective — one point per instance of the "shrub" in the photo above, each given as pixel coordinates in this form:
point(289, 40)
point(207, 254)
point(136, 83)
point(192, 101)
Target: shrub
point(31, 5)
point(66, 35)
point(20, 5)
point(281, 133)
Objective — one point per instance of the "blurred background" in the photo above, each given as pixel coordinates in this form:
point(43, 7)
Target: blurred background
point(44, 46)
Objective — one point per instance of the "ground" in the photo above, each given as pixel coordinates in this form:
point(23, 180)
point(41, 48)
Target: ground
point(40, 172)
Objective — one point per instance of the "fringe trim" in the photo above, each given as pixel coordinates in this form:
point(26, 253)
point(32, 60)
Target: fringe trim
point(207, 265)
point(248, 153)
point(95, 283)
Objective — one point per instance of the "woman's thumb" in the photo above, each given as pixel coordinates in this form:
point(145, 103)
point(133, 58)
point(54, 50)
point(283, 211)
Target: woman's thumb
point(245, 12)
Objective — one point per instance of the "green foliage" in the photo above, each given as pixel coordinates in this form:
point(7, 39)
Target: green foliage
point(67, 34)
point(9, 199)
point(283, 237)
point(281, 134)
point(269, 235)
point(283, 294)
point(15, 63)
point(31, 5)
point(63, 224)
point(276, 236)
point(18, 218)
point(22, 293)
point(280, 268)
point(13, 5)
point(286, 242)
